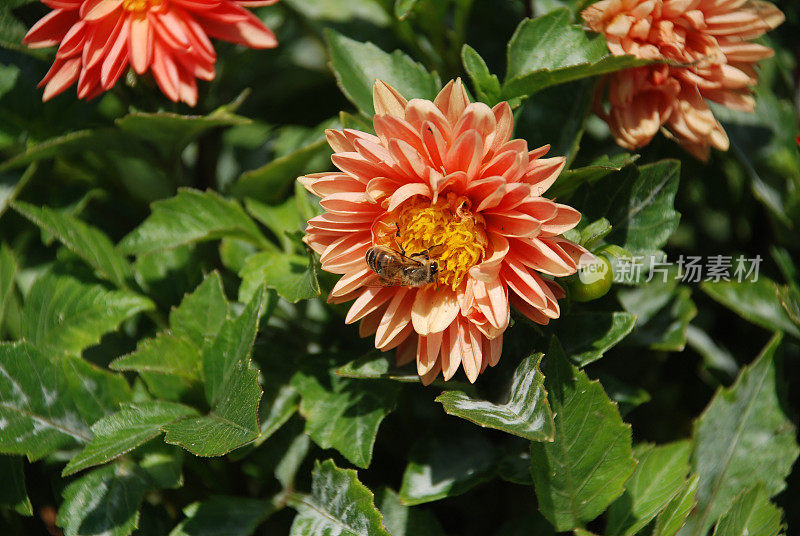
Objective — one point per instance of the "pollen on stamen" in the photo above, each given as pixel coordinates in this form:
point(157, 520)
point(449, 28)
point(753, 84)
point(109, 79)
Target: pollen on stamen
point(140, 5)
point(452, 234)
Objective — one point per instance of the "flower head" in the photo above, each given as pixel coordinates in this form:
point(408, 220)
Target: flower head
point(707, 53)
point(99, 39)
point(442, 182)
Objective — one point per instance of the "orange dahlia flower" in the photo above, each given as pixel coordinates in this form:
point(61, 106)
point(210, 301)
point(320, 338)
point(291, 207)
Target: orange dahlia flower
point(705, 44)
point(98, 39)
point(444, 183)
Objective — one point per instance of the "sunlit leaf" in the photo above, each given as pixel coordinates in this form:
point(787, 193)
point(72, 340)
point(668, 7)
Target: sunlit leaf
point(65, 315)
point(191, 216)
point(338, 505)
point(125, 430)
point(105, 501)
point(524, 410)
point(89, 243)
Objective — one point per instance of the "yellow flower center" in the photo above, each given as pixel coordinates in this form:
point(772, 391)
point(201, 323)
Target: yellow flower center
point(140, 5)
point(448, 230)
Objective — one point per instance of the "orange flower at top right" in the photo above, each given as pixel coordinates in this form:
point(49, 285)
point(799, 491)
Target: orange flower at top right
point(705, 44)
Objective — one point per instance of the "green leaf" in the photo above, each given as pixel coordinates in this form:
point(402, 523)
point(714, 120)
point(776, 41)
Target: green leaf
point(338, 505)
point(790, 301)
point(674, 515)
point(191, 216)
point(12, 183)
point(231, 388)
point(174, 131)
point(279, 403)
point(571, 179)
point(756, 301)
point(663, 311)
point(78, 142)
point(376, 366)
point(8, 273)
point(13, 494)
point(202, 313)
point(751, 514)
point(88, 243)
point(357, 66)
point(65, 315)
point(447, 463)
point(271, 182)
point(627, 396)
point(293, 277)
point(96, 391)
point(639, 204)
point(548, 50)
point(487, 86)
point(224, 516)
point(401, 520)
point(162, 464)
point(164, 354)
point(550, 119)
point(8, 78)
point(587, 336)
point(658, 477)
point(742, 419)
point(125, 430)
point(524, 412)
point(714, 356)
point(402, 8)
point(585, 468)
point(342, 413)
point(37, 412)
point(283, 220)
point(105, 501)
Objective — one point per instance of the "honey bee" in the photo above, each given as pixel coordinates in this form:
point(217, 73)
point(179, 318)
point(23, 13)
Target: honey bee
point(395, 268)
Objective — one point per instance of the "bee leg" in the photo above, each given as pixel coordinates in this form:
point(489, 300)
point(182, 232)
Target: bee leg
point(397, 242)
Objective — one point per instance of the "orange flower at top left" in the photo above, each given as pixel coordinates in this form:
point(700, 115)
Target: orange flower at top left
point(99, 39)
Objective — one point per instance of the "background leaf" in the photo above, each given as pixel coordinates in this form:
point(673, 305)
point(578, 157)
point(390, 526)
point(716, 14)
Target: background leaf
point(751, 513)
point(657, 479)
point(357, 66)
point(548, 50)
point(446, 464)
point(749, 415)
point(191, 216)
